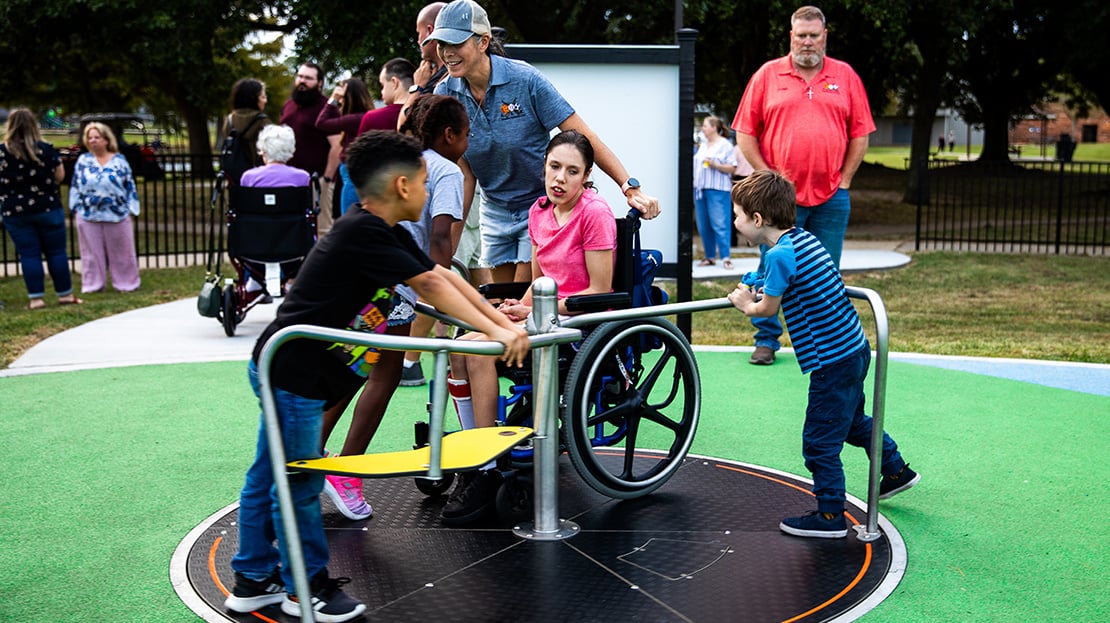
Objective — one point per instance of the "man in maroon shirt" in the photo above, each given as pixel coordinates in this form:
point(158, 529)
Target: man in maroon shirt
point(300, 112)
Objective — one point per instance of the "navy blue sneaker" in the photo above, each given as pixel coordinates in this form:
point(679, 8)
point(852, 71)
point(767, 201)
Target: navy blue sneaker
point(329, 603)
point(891, 486)
point(250, 595)
point(816, 525)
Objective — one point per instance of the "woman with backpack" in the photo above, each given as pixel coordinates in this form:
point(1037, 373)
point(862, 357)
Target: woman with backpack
point(240, 151)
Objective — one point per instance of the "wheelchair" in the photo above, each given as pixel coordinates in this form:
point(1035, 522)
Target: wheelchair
point(264, 226)
point(629, 385)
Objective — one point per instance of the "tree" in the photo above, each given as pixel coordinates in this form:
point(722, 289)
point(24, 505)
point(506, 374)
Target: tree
point(1011, 60)
point(181, 56)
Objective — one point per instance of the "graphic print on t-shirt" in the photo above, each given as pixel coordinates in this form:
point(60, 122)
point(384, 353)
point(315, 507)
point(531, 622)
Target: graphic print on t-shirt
point(372, 319)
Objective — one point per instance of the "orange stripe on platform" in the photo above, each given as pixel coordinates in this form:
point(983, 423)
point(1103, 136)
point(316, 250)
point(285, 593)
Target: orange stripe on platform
point(216, 577)
point(867, 546)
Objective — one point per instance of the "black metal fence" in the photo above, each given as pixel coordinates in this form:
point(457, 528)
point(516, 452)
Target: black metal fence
point(1021, 207)
point(175, 196)
point(1039, 207)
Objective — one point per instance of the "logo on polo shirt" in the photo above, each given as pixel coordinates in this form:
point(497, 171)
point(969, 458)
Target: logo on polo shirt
point(511, 109)
point(830, 87)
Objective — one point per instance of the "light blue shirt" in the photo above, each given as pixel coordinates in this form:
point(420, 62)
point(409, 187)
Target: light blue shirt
point(103, 194)
point(510, 131)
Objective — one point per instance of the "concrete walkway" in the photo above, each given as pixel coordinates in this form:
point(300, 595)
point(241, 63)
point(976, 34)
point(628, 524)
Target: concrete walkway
point(175, 333)
point(858, 256)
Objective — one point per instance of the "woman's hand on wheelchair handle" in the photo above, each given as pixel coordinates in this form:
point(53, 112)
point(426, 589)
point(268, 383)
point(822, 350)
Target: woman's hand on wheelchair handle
point(646, 204)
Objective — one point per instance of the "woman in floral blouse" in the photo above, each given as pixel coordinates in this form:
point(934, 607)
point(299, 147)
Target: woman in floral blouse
point(31, 206)
point(104, 198)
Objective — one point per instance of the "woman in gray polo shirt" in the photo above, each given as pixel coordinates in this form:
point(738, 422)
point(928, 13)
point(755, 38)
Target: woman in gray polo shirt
point(512, 108)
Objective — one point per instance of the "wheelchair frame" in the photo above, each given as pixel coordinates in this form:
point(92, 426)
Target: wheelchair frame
point(617, 356)
point(300, 233)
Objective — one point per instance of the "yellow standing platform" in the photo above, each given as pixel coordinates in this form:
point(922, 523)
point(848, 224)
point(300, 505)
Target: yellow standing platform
point(463, 450)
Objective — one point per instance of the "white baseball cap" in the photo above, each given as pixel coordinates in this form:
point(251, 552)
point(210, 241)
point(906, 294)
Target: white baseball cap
point(459, 21)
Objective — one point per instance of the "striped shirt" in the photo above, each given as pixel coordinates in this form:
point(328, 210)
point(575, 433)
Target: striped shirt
point(824, 326)
point(708, 178)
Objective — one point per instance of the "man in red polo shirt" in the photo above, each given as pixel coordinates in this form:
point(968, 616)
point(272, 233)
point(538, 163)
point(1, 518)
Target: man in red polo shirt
point(806, 116)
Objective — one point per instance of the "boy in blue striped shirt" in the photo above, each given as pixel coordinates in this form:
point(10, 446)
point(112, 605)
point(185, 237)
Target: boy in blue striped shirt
point(828, 341)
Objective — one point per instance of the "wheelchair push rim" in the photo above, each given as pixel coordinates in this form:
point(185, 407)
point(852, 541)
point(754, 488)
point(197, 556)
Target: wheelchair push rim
point(633, 386)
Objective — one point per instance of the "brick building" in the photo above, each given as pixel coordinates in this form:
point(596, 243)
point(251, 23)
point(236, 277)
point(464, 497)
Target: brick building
point(1055, 119)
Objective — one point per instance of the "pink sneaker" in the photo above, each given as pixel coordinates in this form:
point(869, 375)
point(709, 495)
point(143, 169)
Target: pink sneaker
point(346, 493)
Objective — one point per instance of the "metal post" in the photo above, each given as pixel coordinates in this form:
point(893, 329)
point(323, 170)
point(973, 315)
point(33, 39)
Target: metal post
point(281, 479)
point(435, 418)
point(686, 38)
point(546, 525)
point(870, 531)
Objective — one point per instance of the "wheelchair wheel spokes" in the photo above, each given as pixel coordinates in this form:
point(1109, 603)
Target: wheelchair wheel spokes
point(620, 401)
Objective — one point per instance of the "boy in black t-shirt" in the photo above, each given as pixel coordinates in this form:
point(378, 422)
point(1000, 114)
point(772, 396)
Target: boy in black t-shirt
point(347, 282)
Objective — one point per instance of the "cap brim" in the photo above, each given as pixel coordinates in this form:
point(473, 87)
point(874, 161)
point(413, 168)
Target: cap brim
point(450, 36)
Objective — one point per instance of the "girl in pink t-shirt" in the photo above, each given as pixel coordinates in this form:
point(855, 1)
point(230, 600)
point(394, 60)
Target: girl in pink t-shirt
point(573, 236)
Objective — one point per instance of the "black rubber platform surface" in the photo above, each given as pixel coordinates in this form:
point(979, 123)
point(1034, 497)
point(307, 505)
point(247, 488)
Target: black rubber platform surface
point(704, 547)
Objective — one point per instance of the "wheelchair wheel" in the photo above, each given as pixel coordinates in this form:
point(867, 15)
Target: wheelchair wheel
point(634, 385)
point(433, 488)
point(230, 310)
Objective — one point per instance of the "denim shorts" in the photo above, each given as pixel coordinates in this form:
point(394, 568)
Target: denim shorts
point(505, 237)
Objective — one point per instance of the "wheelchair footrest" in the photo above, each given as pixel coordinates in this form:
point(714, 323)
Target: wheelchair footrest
point(463, 450)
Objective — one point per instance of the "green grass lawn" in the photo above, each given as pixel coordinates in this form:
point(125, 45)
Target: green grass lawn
point(974, 304)
point(897, 157)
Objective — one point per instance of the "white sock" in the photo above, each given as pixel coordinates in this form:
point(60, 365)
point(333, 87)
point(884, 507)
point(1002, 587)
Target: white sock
point(409, 364)
point(460, 392)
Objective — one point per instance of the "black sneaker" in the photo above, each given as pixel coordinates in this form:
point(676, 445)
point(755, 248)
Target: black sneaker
point(250, 595)
point(891, 486)
point(816, 525)
point(329, 603)
point(412, 376)
point(474, 495)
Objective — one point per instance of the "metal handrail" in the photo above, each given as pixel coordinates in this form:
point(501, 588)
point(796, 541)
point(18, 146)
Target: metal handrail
point(440, 348)
point(869, 531)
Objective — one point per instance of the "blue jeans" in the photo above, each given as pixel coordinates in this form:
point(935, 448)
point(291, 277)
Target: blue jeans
point(348, 196)
point(713, 211)
point(259, 519)
point(834, 416)
point(37, 236)
point(828, 222)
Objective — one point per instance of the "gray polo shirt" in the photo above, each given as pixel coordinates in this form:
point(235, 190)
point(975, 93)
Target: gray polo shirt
point(510, 132)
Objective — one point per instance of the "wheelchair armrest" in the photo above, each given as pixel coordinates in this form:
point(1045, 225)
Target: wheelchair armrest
point(598, 302)
point(504, 290)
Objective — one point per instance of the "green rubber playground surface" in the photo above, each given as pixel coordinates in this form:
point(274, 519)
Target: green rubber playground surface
point(107, 470)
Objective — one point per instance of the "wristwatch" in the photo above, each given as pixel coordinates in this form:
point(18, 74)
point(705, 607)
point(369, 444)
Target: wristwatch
point(416, 88)
point(629, 185)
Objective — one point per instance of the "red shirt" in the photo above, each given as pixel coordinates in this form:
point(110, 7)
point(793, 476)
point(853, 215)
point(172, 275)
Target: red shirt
point(312, 144)
point(384, 118)
point(803, 129)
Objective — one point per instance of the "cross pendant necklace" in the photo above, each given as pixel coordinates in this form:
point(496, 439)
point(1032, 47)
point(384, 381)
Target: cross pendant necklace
point(809, 92)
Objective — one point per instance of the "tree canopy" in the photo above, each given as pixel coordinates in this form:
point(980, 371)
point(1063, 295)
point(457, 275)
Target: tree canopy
point(991, 59)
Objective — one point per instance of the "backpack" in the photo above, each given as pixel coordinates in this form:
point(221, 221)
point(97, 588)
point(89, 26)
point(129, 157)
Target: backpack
point(235, 158)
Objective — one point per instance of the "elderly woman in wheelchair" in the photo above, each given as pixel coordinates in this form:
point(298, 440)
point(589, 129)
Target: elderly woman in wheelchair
point(271, 218)
point(573, 240)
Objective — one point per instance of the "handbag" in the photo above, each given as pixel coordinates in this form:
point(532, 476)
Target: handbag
point(208, 303)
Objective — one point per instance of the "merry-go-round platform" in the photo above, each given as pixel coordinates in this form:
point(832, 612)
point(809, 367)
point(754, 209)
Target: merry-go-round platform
point(705, 547)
